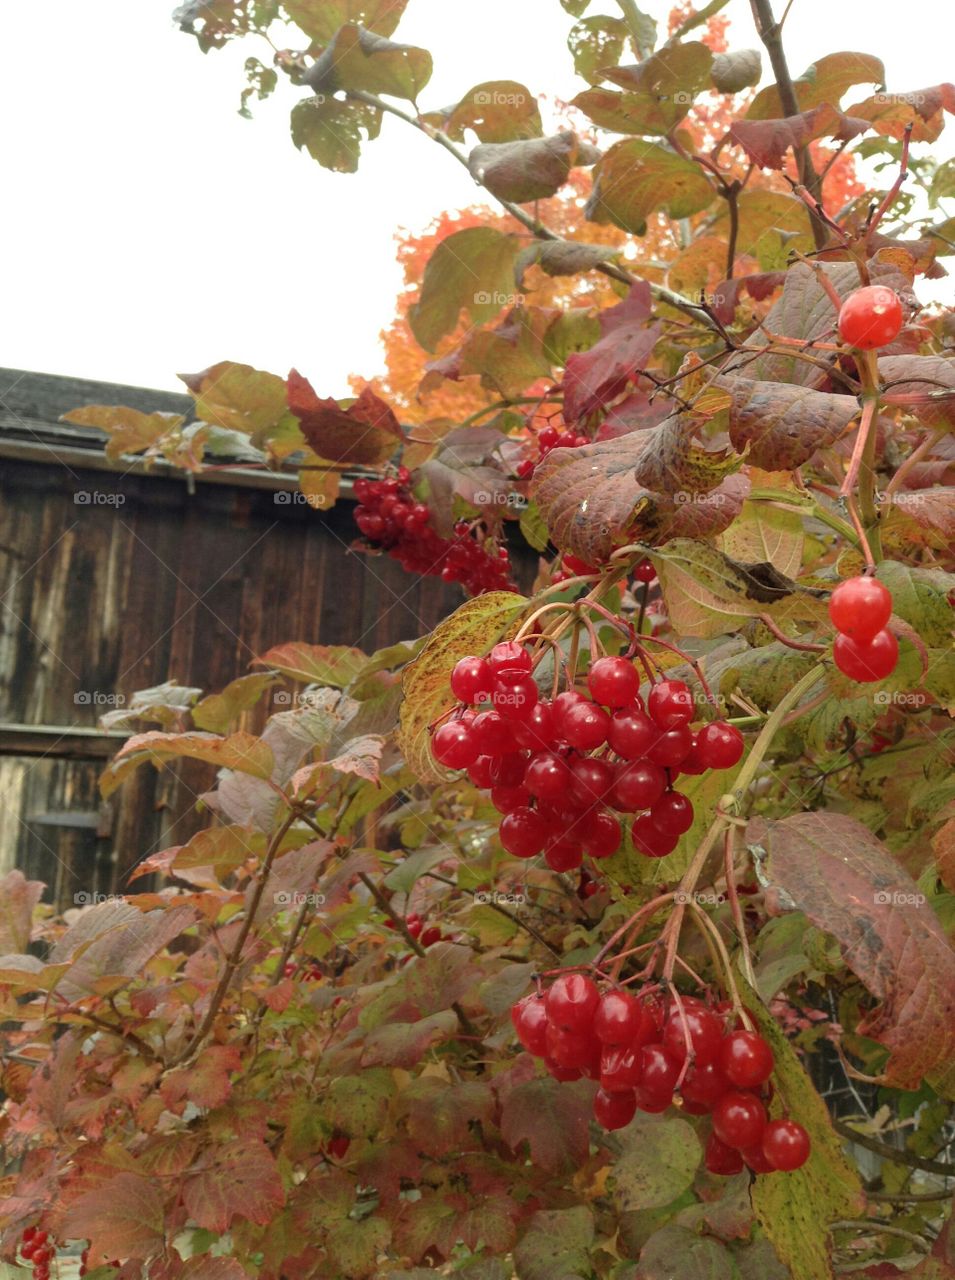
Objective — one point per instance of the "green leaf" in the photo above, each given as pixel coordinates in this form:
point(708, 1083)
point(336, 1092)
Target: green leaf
point(596, 44)
point(471, 270)
point(218, 711)
point(635, 179)
point(237, 397)
point(331, 130)
point(472, 629)
point(920, 597)
point(795, 1211)
point(708, 594)
point(677, 72)
point(497, 111)
point(320, 19)
point(677, 1251)
point(359, 60)
point(534, 527)
point(410, 869)
point(243, 752)
point(354, 1246)
point(556, 1245)
point(763, 533)
point(358, 1104)
point(659, 1161)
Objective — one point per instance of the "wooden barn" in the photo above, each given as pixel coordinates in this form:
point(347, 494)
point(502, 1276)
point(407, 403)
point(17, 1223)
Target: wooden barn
point(115, 578)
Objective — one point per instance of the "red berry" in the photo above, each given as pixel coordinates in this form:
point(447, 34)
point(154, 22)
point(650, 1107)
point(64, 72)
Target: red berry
point(860, 608)
point(507, 656)
point(583, 725)
point(614, 1110)
point(337, 1147)
point(703, 1028)
point(866, 663)
point(746, 1059)
point(563, 854)
point(574, 1049)
point(591, 779)
point(563, 1074)
point(602, 835)
point(524, 833)
point(754, 1159)
point(572, 1001)
point(471, 680)
point(613, 682)
point(508, 799)
point(631, 733)
point(508, 770)
point(529, 1017)
point(453, 745)
point(703, 1083)
point(578, 566)
point(621, 1066)
point(670, 704)
point(525, 469)
point(658, 1074)
point(431, 935)
point(480, 771)
point(644, 571)
point(536, 731)
point(618, 1018)
point(785, 1144)
point(493, 735)
point(514, 694)
point(718, 746)
point(637, 786)
point(671, 747)
point(871, 317)
point(649, 840)
point(548, 776)
point(672, 813)
point(739, 1119)
point(548, 438)
point(721, 1159)
point(414, 927)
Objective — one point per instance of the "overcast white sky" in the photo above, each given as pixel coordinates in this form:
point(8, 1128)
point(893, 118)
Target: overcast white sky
point(148, 229)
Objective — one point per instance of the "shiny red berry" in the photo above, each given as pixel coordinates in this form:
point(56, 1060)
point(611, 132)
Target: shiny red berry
point(618, 1018)
point(453, 745)
point(614, 1110)
point(529, 1017)
point(613, 682)
point(860, 608)
point(471, 680)
point(524, 833)
point(746, 1059)
point(509, 655)
point(739, 1119)
point(866, 663)
point(870, 317)
point(785, 1145)
point(670, 703)
point(721, 1159)
point(718, 745)
point(673, 813)
point(572, 1001)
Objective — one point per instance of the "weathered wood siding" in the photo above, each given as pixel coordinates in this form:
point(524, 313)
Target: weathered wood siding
point(140, 583)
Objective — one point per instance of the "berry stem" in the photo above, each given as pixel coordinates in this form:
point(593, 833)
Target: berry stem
point(861, 473)
point(729, 866)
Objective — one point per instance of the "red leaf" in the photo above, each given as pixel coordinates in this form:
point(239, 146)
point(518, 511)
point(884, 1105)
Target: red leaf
point(594, 377)
point(367, 432)
point(206, 1081)
point(122, 1218)
point(553, 1119)
point(767, 141)
point(241, 1180)
point(18, 897)
point(846, 881)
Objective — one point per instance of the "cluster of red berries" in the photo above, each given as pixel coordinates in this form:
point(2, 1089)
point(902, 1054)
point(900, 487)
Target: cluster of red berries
point(548, 439)
point(637, 1049)
point(864, 650)
point(37, 1247)
point(392, 519)
point(556, 768)
point(425, 937)
point(311, 971)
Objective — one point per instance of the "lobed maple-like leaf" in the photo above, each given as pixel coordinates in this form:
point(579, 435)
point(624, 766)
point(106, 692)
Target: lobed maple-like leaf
point(237, 1180)
point(831, 867)
point(129, 430)
point(123, 1217)
point(365, 433)
point(206, 1081)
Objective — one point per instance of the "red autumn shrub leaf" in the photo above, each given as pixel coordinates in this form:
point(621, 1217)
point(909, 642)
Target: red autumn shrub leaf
point(923, 386)
point(18, 897)
point(240, 751)
point(205, 1081)
point(123, 1217)
point(595, 377)
point(552, 1118)
point(240, 1179)
point(831, 867)
point(328, 664)
point(766, 142)
point(366, 433)
point(781, 425)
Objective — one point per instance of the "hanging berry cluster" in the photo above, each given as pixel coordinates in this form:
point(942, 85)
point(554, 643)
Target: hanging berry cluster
point(393, 520)
point(37, 1248)
point(547, 440)
point(646, 1050)
point(560, 771)
point(864, 650)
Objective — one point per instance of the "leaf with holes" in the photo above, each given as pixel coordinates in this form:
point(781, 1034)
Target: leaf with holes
point(597, 43)
point(332, 130)
point(320, 19)
point(497, 111)
point(358, 60)
point(832, 868)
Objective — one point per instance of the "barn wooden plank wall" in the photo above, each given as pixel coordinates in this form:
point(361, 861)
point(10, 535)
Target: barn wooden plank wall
point(142, 582)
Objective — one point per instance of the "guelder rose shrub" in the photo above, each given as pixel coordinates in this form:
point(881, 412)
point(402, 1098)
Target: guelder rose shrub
point(510, 951)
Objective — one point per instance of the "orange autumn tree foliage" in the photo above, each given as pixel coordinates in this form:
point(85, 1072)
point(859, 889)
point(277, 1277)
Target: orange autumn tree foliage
point(693, 270)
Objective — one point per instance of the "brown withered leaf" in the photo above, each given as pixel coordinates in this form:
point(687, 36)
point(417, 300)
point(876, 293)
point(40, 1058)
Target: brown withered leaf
point(671, 463)
point(366, 433)
point(782, 425)
point(593, 503)
point(767, 141)
point(924, 385)
point(831, 867)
